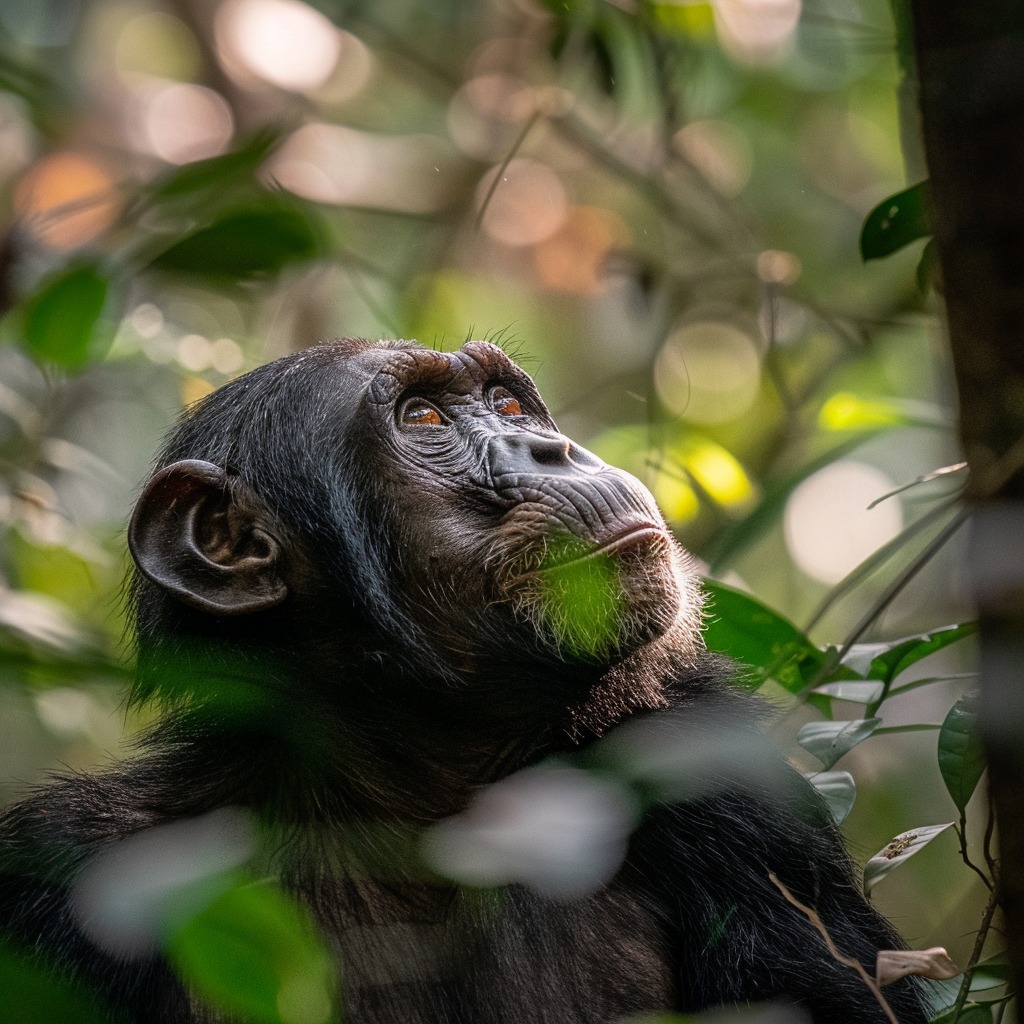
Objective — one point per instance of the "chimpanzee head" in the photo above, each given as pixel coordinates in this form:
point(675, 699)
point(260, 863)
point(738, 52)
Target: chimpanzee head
point(381, 504)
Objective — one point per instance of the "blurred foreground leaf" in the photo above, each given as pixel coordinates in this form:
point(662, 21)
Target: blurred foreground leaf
point(898, 851)
point(255, 239)
point(894, 223)
point(750, 632)
point(218, 172)
point(32, 995)
point(253, 952)
point(961, 755)
point(62, 319)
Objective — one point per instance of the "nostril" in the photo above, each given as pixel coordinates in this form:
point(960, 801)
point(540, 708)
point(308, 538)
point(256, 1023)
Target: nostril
point(550, 451)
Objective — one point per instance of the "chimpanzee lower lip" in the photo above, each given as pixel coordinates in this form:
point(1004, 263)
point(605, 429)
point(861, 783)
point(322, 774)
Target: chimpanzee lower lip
point(635, 535)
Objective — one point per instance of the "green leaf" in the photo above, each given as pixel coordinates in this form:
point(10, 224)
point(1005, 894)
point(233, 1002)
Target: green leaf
point(894, 223)
point(961, 755)
point(252, 952)
point(992, 972)
point(255, 239)
point(856, 691)
point(753, 634)
point(829, 741)
point(970, 1014)
point(62, 320)
point(898, 851)
point(897, 656)
point(838, 790)
point(218, 172)
point(33, 995)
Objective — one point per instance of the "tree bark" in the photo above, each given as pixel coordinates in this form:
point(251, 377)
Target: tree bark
point(970, 59)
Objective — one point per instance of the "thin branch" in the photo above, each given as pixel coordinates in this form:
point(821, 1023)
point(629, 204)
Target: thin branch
point(979, 945)
point(503, 166)
point(856, 965)
point(990, 827)
point(876, 560)
point(961, 834)
point(894, 590)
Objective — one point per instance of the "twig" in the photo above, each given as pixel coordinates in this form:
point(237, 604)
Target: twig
point(990, 825)
point(894, 590)
point(876, 561)
point(509, 156)
point(979, 945)
point(812, 916)
point(961, 832)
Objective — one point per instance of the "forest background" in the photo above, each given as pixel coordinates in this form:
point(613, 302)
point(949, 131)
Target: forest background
point(699, 226)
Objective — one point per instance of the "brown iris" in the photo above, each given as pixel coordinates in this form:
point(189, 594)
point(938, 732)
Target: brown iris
point(505, 403)
point(419, 413)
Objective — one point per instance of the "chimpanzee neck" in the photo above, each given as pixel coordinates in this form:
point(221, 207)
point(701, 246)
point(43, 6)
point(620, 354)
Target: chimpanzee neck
point(376, 741)
point(291, 754)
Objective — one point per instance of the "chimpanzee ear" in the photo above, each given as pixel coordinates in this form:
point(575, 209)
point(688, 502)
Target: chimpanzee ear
point(204, 539)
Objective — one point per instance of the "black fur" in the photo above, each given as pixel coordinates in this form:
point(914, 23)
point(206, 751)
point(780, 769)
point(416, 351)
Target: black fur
point(373, 674)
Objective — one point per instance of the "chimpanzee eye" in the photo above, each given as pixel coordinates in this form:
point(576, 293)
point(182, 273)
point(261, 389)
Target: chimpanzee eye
point(417, 412)
point(504, 403)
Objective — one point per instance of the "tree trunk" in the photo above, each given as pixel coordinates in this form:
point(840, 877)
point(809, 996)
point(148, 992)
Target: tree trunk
point(970, 60)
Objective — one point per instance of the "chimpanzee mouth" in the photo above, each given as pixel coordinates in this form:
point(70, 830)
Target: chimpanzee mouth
point(636, 536)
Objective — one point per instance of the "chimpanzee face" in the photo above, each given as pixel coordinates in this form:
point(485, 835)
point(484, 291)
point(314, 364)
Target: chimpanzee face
point(458, 505)
point(504, 528)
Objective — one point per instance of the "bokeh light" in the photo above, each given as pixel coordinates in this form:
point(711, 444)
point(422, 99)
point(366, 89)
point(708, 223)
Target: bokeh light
point(528, 204)
point(573, 258)
point(757, 31)
point(157, 44)
point(485, 113)
point(182, 122)
point(708, 372)
point(67, 198)
point(775, 266)
point(339, 165)
point(829, 528)
point(284, 42)
point(719, 151)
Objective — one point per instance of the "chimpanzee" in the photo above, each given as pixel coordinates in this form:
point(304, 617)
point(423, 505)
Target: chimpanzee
point(375, 582)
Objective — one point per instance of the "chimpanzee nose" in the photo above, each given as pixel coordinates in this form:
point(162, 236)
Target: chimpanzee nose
point(535, 453)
